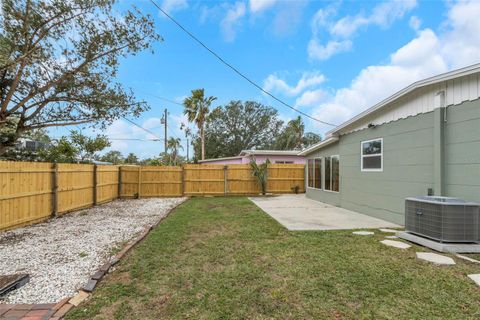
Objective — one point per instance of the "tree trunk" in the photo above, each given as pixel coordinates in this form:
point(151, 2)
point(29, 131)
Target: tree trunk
point(202, 137)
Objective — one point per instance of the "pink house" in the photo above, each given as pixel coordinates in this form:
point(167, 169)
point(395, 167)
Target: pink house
point(275, 156)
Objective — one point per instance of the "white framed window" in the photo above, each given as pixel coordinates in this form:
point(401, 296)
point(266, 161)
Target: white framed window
point(332, 174)
point(310, 174)
point(317, 183)
point(314, 173)
point(371, 154)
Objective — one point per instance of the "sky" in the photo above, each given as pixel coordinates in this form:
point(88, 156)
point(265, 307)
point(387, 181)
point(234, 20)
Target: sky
point(331, 60)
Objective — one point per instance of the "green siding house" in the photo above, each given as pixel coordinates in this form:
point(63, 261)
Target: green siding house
point(423, 140)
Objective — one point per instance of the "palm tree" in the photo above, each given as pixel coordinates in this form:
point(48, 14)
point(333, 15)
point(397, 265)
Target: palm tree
point(188, 133)
point(196, 109)
point(297, 130)
point(260, 172)
point(174, 145)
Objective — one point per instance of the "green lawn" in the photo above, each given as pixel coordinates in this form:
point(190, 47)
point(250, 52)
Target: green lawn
point(223, 258)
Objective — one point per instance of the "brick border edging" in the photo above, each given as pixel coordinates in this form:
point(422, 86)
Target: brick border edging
point(66, 304)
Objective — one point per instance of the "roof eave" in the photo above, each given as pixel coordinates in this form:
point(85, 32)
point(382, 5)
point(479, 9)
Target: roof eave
point(318, 146)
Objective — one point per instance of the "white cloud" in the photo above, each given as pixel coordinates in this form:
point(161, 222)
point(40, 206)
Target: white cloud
point(174, 5)
point(462, 40)
point(346, 26)
point(340, 31)
point(324, 52)
point(416, 60)
point(311, 98)
point(415, 23)
point(382, 15)
point(231, 21)
point(257, 6)
point(288, 18)
point(274, 84)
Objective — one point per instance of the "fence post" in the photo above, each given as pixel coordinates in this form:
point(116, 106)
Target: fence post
point(183, 180)
point(119, 181)
point(55, 190)
point(95, 184)
point(225, 183)
point(139, 180)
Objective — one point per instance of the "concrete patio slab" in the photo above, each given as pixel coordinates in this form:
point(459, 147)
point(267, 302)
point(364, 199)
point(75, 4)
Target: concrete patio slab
point(297, 212)
point(435, 258)
point(363, 233)
point(391, 237)
point(475, 278)
point(396, 244)
point(386, 230)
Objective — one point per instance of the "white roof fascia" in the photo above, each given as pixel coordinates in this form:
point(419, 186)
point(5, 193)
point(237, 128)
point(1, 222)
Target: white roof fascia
point(219, 159)
point(319, 145)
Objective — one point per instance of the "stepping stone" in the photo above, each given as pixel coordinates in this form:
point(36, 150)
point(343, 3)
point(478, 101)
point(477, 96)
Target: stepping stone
point(396, 244)
point(475, 278)
point(98, 275)
point(90, 285)
point(363, 233)
point(435, 258)
point(78, 298)
point(466, 258)
point(391, 237)
point(386, 230)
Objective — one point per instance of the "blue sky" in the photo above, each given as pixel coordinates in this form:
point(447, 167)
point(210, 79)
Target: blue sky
point(329, 59)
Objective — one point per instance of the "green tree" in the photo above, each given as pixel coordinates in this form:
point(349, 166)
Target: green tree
point(310, 139)
point(61, 151)
point(174, 145)
point(88, 147)
point(59, 60)
point(114, 157)
point(196, 109)
point(238, 126)
point(293, 136)
point(74, 148)
point(131, 158)
point(151, 162)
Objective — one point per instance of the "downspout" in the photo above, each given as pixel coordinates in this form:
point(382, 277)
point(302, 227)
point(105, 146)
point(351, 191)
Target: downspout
point(439, 145)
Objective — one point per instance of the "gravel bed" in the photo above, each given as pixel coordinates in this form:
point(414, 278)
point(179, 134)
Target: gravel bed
point(61, 254)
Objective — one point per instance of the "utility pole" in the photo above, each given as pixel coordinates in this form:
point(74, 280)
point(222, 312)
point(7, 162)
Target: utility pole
point(164, 121)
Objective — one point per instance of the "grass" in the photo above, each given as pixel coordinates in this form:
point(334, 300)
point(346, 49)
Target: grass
point(223, 258)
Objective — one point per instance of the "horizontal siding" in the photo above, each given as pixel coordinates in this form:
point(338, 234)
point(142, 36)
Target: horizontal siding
point(332, 198)
point(462, 151)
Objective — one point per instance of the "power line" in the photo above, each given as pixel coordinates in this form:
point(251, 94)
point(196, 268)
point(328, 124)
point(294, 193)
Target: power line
point(161, 98)
point(144, 129)
point(235, 69)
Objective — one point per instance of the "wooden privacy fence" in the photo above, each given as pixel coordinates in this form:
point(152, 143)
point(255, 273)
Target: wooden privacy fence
point(207, 180)
point(31, 191)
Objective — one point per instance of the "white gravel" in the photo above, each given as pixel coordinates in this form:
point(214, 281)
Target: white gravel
point(61, 254)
